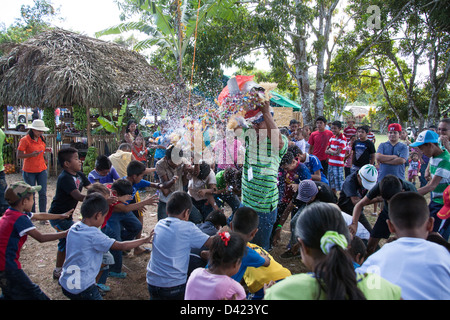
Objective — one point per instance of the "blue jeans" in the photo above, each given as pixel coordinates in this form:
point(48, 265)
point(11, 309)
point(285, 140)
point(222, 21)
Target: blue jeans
point(16, 285)
point(40, 179)
point(124, 226)
point(3, 203)
point(172, 293)
point(90, 293)
point(266, 222)
point(230, 198)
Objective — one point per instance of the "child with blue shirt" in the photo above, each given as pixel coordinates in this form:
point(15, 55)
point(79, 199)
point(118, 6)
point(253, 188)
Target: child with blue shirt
point(245, 222)
point(85, 247)
point(104, 172)
point(173, 240)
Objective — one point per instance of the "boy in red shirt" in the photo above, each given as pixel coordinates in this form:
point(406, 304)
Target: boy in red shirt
point(318, 142)
point(336, 153)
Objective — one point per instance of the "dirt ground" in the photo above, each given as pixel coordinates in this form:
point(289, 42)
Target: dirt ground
point(38, 259)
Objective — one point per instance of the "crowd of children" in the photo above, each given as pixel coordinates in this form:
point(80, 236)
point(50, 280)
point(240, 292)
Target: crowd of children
point(325, 179)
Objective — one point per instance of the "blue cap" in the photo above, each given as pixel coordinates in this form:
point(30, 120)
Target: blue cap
point(427, 136)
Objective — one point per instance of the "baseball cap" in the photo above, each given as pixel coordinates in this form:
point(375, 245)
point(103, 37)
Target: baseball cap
point(394, 127)
point(427, 136)
point(19, 190)
point(368, 174)
point(444, 213)
point(306, 190)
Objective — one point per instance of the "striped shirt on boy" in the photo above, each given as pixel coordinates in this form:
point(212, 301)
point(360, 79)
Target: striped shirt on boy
point(440, 166)
point(334, 144)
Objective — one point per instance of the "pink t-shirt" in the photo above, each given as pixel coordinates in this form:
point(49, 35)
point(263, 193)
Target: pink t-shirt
point(203, 285)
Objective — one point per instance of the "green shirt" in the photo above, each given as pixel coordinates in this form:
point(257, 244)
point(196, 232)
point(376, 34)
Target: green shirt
point(2, 139)
point(304, 286)
point(220, 179)
point(260, 174)
point(440, 166)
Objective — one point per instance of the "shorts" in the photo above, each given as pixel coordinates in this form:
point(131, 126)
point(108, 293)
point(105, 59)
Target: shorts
point(336, 177)
point(380, 229)
point(61, 225)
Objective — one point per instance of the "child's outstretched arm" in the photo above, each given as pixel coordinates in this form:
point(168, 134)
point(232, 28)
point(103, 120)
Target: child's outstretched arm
point(51, 216)
point(44, 237)
point(150, 200)
point(128, 245)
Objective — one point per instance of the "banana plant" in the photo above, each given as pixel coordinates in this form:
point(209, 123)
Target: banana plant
point(171, 26)
point(112, 126)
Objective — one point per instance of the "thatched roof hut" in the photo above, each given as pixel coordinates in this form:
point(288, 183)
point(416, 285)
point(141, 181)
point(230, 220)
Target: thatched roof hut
point(61, 68)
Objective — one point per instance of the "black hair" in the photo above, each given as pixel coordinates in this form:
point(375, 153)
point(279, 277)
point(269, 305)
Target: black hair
point(135, 167)
point(335, 273)
point(31, 134)
point(97, 187)
point(337, 124)
point(245, 220)
point(321, 118)
point(217, 218)
point(287, 159)
point(284, 131)
point(389, 186)
point(205, 170)
point(102, 163)
point(226, 252)
point(178, 202)
point(93, 203)
point(124, 146)
point(365, 128)
point(437, 238)
point(65, 155)
point(178, 152)
point(231, 176)
point(295, 150)
point(17, 202)
point(408, 210)
point(131, 121)
point(357, 246)
point(122, 187)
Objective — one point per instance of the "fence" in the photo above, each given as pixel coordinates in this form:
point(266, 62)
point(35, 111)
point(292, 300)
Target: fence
point(105, 145)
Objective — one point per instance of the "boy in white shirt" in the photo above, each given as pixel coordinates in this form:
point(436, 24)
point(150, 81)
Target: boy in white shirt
point(420, 267)
point(85, 246)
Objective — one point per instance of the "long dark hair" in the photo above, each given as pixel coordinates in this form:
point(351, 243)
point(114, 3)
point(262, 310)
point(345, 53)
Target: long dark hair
point(31, 134)
point(335, 273)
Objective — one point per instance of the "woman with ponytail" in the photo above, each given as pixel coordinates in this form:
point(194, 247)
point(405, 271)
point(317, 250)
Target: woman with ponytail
point(323, 236)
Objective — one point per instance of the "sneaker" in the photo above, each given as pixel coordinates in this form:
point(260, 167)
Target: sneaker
point(374, 214)
point(103, 287)
point(119, 275)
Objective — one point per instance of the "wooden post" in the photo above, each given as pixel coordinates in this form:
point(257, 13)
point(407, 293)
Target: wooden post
point(89, 137)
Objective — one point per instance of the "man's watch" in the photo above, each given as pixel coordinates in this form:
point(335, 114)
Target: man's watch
point(160, 185)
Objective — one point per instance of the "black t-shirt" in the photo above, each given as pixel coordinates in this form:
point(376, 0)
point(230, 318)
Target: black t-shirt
point(375, 191)
point(66, 183)
point(361, 152)
point(350, 188)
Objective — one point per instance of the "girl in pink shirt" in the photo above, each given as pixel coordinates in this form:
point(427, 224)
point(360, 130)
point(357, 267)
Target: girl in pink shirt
point(215, 282)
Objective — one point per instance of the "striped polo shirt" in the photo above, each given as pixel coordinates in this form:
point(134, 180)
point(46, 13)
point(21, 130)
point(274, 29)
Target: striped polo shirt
point(349, 132)
point(334, 144)
point(440, 166)
point(260, 175)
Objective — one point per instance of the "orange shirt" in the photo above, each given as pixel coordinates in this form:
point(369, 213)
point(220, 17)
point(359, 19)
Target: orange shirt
point(33, 164)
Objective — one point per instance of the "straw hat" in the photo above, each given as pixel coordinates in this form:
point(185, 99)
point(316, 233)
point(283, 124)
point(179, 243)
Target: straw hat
point(38, 125)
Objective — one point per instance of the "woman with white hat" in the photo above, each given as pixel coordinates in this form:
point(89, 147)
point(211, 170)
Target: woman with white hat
point(31, 149)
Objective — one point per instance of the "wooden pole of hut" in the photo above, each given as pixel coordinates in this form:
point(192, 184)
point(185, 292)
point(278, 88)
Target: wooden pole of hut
point(89, 137)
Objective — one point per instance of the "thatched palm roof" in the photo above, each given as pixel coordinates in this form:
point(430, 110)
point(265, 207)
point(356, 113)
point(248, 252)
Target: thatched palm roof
point(61, 68)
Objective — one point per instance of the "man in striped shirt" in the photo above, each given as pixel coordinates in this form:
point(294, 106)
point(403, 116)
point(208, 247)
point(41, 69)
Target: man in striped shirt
point(428, 143)
point(336, 155)
point(265, 147)
point(350, 130)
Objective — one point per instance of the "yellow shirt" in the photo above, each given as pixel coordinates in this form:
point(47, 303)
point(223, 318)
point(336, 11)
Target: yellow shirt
point(255, 278)
point(120, 161)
